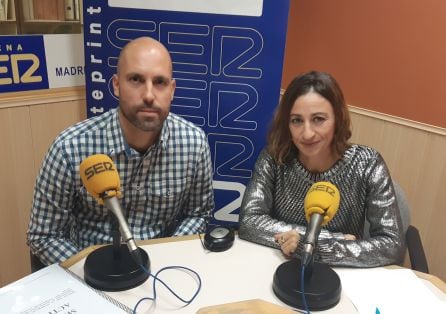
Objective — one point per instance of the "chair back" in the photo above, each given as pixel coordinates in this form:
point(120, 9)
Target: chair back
point(412, 237)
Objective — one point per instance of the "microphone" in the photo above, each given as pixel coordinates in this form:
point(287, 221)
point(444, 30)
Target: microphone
point(303, 283)
point(101, 179)
point(321, 204)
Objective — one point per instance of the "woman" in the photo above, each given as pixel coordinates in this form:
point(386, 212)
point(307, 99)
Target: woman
point(307, 143)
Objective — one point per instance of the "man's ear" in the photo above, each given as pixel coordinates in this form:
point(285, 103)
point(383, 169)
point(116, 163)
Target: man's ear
point(115, 82)
point(174, 85)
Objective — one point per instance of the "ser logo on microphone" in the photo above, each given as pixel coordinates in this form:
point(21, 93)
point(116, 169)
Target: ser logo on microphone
point(98, 168)
point(323, 188)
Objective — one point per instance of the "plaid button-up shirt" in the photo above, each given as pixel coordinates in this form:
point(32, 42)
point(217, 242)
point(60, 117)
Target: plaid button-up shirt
point(166, 191)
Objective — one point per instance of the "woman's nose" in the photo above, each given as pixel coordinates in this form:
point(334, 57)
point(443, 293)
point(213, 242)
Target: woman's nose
point(307, 132)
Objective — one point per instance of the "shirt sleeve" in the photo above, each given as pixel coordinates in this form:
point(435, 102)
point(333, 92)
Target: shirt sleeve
point(385, 245)
point(48, 233)
point(256, 222)
point(200, 201)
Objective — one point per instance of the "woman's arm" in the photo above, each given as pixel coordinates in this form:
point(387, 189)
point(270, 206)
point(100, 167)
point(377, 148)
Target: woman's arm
point(386, 243)
point(257, 222)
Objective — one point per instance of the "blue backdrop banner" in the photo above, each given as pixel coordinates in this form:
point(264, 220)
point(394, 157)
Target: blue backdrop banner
point(227, 61)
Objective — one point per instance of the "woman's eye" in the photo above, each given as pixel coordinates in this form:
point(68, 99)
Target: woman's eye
point(319, 119)
point(296, 121)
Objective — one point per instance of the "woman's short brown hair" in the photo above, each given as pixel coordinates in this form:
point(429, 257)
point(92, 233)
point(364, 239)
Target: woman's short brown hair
point(280, 144)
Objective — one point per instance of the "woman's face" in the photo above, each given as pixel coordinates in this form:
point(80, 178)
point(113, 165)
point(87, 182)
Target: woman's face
point(312, 127)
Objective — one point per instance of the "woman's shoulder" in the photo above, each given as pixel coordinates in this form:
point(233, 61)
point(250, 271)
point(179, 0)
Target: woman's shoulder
point(361, 152)
point(363, 158)
point(266, 162)
point(265, 157)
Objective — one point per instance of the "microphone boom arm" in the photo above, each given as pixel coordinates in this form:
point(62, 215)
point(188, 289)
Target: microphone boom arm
point(311, 235)
point(113, 204)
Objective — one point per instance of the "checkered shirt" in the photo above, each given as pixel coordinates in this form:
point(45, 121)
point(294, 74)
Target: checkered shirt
point(166, 191)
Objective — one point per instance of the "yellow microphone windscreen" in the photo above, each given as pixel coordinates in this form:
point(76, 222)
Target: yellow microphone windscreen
point(322, 198)
point(99, 175)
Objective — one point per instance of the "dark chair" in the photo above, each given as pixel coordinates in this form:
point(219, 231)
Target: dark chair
point(416, 252)
point(414, 245)
point(36, 264)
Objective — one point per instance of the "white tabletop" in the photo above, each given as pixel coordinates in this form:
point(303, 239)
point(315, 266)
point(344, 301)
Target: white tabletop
point(243, 272)
point(246, 270)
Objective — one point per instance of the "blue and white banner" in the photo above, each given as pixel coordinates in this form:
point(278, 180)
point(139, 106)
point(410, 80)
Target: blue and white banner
point(30, 62)
point(227, 61)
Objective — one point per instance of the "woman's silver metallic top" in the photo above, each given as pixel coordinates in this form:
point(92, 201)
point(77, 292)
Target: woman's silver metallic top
point(273, 203)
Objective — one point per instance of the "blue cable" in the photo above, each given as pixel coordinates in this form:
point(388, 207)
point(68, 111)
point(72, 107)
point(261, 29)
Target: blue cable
point(302, 285)
point(155, 279)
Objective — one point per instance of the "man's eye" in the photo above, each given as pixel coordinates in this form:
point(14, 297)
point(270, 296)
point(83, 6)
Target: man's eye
point(160, 82)
point(135, 79)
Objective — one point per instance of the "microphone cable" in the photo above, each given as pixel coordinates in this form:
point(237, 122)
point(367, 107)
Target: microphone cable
point(157, 279)
point(202, 243)
point(205, 227)
point(302, 285)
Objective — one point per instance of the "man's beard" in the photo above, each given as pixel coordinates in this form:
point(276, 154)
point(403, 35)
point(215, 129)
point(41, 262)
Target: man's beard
point(145, 124)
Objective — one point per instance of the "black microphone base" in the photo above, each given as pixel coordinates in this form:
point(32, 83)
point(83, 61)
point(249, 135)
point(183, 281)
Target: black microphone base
point(322, 290)
point(113, 269)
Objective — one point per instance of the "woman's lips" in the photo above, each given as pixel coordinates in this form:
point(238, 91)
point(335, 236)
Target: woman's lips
point(310, 144)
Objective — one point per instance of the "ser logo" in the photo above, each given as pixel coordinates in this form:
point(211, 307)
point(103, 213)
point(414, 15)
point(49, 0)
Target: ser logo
point(98, 168)
point(23, 67)
point(323, 188)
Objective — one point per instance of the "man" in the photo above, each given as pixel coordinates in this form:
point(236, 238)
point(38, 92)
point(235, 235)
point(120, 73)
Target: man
point(163, 162)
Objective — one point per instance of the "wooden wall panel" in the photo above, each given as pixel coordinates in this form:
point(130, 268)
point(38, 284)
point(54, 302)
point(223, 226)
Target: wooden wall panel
point(16, 184)
point(47, 121)
point(26, 133)
point(417, 160)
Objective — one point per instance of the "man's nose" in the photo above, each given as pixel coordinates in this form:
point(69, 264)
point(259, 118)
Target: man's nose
point(148, 95)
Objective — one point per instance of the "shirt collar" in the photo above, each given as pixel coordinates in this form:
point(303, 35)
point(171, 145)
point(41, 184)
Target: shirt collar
point(115, 139)
point(165, 133)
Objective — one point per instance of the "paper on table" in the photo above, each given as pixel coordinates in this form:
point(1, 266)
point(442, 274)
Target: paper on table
point(389, 290)
point(256, 306)
point(55, 290)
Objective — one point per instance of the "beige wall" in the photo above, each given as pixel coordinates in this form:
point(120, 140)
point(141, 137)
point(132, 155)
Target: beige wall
point(388, 56)
point(416, 159)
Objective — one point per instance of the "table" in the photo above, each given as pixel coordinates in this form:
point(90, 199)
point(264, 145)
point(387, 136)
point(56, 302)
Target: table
point(244, 272)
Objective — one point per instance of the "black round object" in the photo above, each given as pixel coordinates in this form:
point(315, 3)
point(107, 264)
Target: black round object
point(322, 289)
point(219, 239)
point(113, 269)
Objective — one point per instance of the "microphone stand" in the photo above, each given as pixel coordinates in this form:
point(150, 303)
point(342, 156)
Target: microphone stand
point(116, 235)
point(322, 286)
point(112, 267)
